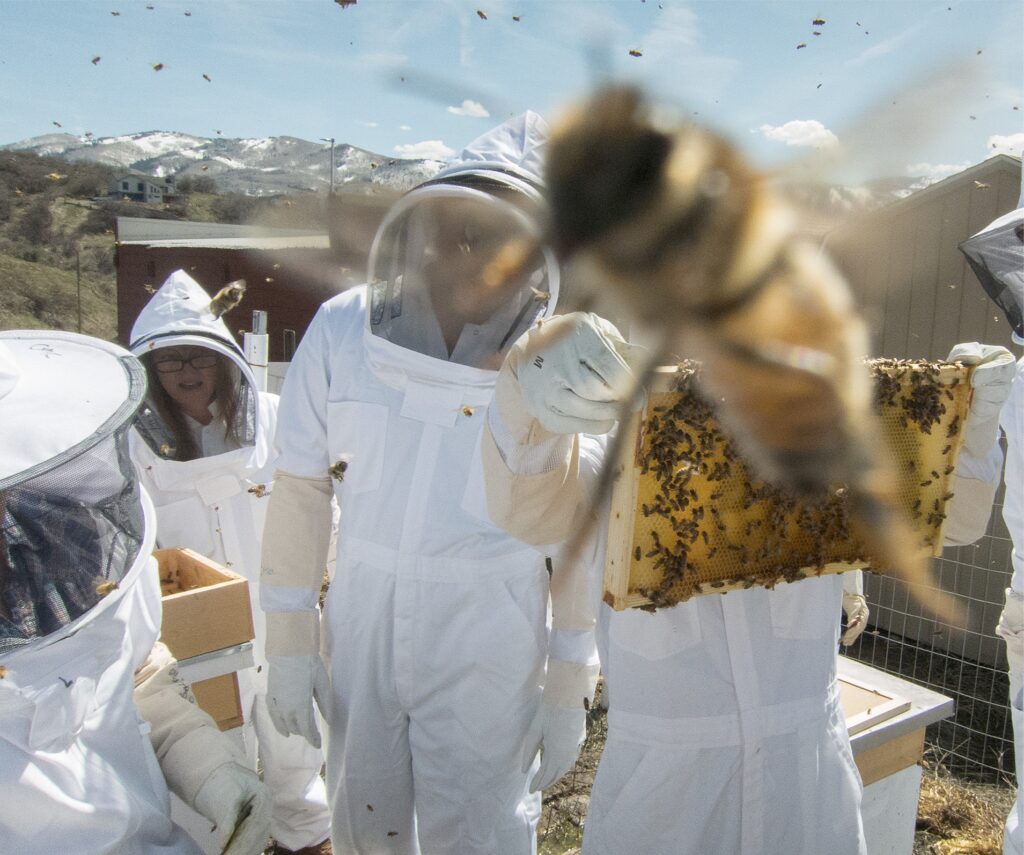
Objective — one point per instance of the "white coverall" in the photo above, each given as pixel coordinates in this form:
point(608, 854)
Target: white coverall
point(434, 624)
point(1011, 624)
point(977, 479)
point(216, 505)
point(434, 627)
point(77, 770)
point(725, 733)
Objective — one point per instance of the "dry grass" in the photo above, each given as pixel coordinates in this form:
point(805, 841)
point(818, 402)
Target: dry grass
point(959, 818)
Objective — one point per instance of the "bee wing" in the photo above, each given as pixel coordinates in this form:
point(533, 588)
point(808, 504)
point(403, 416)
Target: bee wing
point(837, 191)
point(450, 91)
point(895, 128)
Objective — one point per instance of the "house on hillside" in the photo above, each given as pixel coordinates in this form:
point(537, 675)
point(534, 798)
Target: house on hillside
point(142, 188)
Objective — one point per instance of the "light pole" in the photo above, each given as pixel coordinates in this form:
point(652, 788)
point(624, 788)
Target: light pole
point(331, 141)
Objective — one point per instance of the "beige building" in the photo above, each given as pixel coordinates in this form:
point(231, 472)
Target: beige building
point(921, 298)
point(904, 263)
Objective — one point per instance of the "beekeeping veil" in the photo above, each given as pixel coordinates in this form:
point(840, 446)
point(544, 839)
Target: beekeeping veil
point(456, 268)
point(996, 255)
point(71, 519)
point(179, 314)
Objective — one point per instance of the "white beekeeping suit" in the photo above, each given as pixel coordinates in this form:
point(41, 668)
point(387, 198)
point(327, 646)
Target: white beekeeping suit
point(725, 732)
point(215, 503)
point(433, 630)
point(996, 254)
point(79, 615)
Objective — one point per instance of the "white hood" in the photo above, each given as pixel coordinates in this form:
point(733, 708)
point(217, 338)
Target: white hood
point(499, 171)
point(515, 147)
point(179, 314)
point(180, 306)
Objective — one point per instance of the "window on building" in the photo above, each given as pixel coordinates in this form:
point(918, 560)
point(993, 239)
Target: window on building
point(141, 187)
point(124, 185)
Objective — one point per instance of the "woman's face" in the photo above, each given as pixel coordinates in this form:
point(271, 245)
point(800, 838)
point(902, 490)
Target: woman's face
point(189, 376)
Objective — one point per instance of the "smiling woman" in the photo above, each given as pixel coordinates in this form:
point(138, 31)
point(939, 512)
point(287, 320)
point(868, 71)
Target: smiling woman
point(197, 394)
point(203, 445)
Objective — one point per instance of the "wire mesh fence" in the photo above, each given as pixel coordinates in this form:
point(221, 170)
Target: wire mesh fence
point(967, 665)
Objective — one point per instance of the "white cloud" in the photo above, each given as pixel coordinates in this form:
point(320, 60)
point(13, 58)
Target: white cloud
point(366, 124)
point(404, 128)
point(431, 149)
point(929, 173)
point(1006, 144)
point(802, 132)
point(473, 109)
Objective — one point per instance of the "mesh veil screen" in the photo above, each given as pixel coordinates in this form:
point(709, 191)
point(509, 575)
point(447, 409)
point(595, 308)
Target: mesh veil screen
point(68, 536)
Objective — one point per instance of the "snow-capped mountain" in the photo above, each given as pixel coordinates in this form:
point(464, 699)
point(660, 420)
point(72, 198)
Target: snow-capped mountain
point(284, 164)
point(254, 166)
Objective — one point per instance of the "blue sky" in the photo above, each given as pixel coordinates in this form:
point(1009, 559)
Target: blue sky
point(311, 69)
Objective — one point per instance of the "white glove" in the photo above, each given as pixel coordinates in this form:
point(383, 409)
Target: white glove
point(991, 382)
point(293, 683)
point(557, 733)
point(238, 805)
point(573, 372)
point(560, 725)
point(855, 607)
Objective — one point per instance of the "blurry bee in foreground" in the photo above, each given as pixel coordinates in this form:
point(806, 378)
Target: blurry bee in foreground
point(670, 222)
point(227, 298)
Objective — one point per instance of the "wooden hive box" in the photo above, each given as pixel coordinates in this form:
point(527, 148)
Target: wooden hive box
point(205, 608)
point(687, 518)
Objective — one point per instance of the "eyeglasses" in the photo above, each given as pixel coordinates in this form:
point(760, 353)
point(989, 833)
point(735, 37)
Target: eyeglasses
point(172, 366)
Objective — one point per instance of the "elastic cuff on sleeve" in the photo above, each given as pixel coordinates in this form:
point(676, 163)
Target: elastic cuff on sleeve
point(193, 758)
point(525, 446)
point(578, 647)
point(293, 633)
point(568, 683)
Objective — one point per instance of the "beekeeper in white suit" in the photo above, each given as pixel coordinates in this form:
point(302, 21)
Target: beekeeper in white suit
point(996, 254)
point(725, 732)
point(204, 445)
point(433, 631)
point(79, 615)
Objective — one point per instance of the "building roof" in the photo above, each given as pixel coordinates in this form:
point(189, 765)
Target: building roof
point(169, 234)
point(997, 162)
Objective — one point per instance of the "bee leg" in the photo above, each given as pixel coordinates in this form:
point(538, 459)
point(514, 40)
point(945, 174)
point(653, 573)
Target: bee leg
point(602, 488)
point(893, 545)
